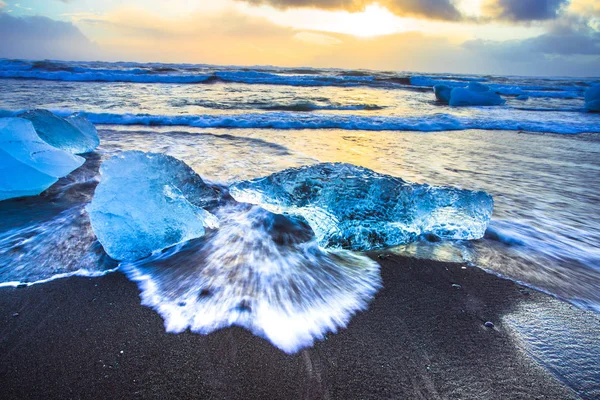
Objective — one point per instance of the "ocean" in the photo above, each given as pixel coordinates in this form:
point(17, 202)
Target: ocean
point(538, 156)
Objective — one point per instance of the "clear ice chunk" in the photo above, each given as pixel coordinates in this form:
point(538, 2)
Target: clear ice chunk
point(74, 134)
point(28, 165)
point(592, 98)
point(356, 208)
point(147, 202)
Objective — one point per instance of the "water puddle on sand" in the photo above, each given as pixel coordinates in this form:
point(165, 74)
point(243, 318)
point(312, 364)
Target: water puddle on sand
point(563, 339)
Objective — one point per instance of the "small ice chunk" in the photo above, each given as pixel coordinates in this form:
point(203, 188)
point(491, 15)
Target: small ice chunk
point(75, 134)
point(356, 208)
point(442, 93)
point(475, 95)
point(28, 165)
point(147, 202)
point(592, 98)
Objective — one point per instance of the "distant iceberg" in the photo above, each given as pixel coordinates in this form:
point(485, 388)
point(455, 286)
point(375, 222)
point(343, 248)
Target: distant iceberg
point(147, 202)
point(74, 134)
point(28, 165)
point(476, 94)
point(442, 93)
point(592, 98)
point(355, 208)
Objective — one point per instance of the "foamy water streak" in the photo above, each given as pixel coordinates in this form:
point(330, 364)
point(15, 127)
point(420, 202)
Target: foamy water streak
point(261, 271)
point(62, 246)
point(49, 236)
point(564, 268)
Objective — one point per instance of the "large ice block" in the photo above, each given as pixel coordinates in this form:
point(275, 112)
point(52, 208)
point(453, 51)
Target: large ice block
point(356, 208)
point(28, 165)
point(147, 202)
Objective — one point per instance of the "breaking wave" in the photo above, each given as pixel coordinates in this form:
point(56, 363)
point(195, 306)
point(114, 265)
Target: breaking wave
point(206, 74)
point(290, 120)
point(297, 106)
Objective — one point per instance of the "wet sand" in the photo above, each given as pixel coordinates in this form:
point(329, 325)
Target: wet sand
point(421, 338)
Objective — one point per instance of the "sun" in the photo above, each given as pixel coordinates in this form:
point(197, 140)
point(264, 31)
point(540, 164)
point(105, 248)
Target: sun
point(375, 20)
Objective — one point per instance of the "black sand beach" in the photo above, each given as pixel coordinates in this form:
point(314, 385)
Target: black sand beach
point(421, 338)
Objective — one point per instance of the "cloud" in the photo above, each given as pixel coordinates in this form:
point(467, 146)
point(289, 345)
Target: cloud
point(235, 38)
point(569, 47)
point(222, 38)
point(585, 7)
point(38, 37)
point(433, 9)
point(566, 37)
point(524, 10)
point(409, 51)
point(2, 4)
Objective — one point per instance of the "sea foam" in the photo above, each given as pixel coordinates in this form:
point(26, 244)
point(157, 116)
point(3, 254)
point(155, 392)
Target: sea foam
point(260, 271)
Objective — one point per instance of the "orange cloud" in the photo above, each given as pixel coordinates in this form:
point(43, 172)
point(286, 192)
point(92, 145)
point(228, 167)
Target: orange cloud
point(585, 7)
point(224, 38)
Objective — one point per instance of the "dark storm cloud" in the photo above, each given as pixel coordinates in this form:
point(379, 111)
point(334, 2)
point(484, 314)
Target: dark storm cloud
point(434, 9)
point(524, 10)
point(41, 37)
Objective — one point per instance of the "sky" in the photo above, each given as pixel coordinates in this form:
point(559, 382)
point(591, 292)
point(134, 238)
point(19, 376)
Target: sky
point(511, 37)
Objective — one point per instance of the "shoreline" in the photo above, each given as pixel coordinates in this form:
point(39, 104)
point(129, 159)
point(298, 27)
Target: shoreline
point(421, 337)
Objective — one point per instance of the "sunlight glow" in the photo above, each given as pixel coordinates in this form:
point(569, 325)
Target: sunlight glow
point(373, 21)
point(471, 8)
